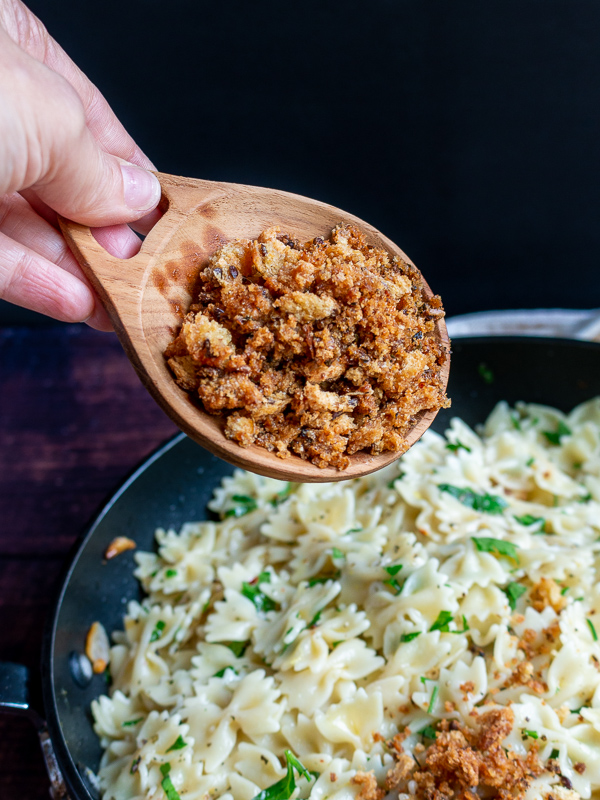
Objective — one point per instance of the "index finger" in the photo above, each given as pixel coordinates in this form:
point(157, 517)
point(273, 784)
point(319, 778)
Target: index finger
point(31, 35)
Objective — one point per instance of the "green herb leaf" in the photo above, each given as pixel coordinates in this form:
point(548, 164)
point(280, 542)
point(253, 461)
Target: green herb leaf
point(158, 629)
point(554, 437)
point(554, 754)
point(458, 446)
point(253, 592)
point(283, 789)
point(166, 783)
point(221, 672)
point(429, 732)
point(170, 573)
point(408, 637)
point(513, 591)
point(237, 648)
point(178, 744)
point(530, 462)
point(486, 544)
point(315, 620)
point(298, 765)
point(577, 710)
point(592, 629)
point(577, 464)
point(529, 519)
point(434, 695)
point(135, 765)
point(245, 504)
point(531, 734)
point(336, 553)
point(564, 590)
point(354, 530)
point(514, 418)
point(131, 722)
point(282, 495)
point(393, 583)
point(394, 569)
point(485, 373)
point(465, 626)
point(324, 578)
point(442, 623)
point(488, 503)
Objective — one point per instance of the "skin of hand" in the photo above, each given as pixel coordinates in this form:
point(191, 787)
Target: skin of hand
point(62, 150)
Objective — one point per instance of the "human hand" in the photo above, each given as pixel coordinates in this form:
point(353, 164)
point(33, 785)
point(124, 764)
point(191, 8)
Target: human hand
point(62, 150)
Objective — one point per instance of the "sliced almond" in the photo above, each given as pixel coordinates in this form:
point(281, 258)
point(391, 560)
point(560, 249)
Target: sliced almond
point(119, 545)
point(97, 647)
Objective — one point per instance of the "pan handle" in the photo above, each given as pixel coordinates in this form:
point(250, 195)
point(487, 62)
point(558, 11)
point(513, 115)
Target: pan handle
point(15, 699)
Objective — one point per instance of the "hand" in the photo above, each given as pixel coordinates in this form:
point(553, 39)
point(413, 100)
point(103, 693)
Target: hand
point(62, 150)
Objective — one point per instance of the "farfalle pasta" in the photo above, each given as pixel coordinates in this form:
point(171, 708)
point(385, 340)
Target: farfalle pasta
point(357, 639)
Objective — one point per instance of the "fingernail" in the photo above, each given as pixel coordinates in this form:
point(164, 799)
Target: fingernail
point(141, 190)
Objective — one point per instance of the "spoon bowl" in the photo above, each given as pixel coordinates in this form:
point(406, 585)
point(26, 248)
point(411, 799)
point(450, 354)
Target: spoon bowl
point(148, 295)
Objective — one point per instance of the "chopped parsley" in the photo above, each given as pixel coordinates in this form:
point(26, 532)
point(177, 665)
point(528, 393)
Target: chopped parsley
point(283, 789)
point(245, 504)
point(486, 544)
point(530, 734)
point(465, 627)
point(158, 629)
point(354, 530)
point(554, 437)
point(167, 784)
point(516, 422)
point(315, 620)
point(282, 495)
point(429, 732)
point(529, 519)
point(554, 754)
point(434, 695)
point(489, 503)
point(324, 578)
point(564, 590)
point(442, 623)
point(393, 584)
point(237, 648)
point(221, 672)
point(393, 570)
point(170, 573)
point(513, 591)
point(458, 446)
point(131, 722)
point(254, 593)
point(336, 553)
point(408, 637)
point(178, 744)
point(485, 374)
point(592, 629)
point(530, 462)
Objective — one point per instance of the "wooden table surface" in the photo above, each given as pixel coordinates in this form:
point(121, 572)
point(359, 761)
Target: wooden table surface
point(74, 421)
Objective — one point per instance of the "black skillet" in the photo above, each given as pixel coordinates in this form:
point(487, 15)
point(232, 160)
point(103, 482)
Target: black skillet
point(174, 485)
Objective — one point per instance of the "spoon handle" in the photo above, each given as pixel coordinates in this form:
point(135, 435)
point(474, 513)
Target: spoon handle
point(118, 281)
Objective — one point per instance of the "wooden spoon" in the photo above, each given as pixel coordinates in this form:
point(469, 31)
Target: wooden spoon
point(147, 296)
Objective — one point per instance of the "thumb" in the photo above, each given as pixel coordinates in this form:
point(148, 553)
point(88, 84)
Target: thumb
point(94, 188)
point(49, 148)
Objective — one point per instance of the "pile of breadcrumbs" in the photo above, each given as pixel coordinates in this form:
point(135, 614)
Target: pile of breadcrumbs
point(320, 349)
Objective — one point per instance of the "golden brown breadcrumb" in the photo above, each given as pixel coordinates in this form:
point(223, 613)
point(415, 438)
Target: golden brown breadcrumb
point(463, 763)
point(321, 349)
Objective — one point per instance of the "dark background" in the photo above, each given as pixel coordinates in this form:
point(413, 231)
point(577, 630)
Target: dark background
point(466, 131)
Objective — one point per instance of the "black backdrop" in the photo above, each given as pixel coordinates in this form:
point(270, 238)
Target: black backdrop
point(467, 131)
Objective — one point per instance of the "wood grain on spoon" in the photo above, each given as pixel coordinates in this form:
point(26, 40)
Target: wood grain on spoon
point(147, 296)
